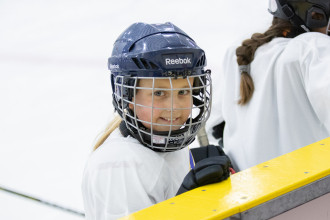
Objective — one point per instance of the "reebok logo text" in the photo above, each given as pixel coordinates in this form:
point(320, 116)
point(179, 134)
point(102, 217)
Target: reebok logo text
point(169, 61)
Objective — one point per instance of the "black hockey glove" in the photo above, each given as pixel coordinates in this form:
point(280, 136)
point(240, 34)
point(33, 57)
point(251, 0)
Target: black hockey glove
point(200, 153)
point(218, 130)
point(207, 171)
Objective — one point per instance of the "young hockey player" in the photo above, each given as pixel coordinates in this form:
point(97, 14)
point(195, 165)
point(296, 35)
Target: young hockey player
point(275, 94)
point(162, 95)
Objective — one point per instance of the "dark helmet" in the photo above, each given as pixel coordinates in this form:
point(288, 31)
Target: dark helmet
point(300, 12)
point(149, 51)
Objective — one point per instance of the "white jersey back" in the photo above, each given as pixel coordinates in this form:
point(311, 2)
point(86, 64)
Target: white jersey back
point(290, 107)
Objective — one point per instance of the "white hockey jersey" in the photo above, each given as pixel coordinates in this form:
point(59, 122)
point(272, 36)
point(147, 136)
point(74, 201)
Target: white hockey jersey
point(122, 177)
point(290, 107)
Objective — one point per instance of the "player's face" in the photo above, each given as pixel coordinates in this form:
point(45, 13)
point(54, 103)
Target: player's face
point(165, 104)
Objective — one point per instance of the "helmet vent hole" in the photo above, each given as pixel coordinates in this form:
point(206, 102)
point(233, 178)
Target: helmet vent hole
point(137, 63)
point(145, 64)
point(201, 61)
point(198, 62)
point(153, 66)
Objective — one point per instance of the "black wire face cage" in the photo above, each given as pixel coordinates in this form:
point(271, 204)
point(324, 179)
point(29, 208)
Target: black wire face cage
point(172, 116)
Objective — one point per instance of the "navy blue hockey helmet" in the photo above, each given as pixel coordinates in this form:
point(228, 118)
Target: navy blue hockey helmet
point(159, 51)
point(155, 50)
point(301, 13)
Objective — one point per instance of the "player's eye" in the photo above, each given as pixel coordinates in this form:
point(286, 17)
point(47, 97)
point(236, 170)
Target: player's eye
point(159, 93)
point(184, 92)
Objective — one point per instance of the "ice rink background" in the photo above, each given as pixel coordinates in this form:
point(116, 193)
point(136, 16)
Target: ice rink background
point(54, 84)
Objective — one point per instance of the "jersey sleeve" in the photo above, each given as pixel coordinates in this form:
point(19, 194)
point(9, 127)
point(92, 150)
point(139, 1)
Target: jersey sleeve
point(117, 188)
point(315, 65)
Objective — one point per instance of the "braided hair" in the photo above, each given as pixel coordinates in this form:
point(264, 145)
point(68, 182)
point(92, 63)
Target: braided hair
point(245, 53)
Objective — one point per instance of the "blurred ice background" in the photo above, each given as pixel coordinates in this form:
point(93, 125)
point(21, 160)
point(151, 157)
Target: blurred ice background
point(55, 95)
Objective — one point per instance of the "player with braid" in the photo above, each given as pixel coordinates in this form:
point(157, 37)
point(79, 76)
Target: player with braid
point(275, 92)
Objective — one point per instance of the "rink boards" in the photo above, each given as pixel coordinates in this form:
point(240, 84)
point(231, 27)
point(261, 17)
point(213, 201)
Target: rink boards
point(287, 187)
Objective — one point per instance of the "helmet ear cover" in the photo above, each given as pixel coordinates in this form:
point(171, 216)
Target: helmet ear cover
point(321, 20)
point(126, 92)
point(199, 83)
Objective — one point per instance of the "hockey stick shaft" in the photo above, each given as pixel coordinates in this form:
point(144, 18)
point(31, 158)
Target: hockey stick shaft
point(5, 189)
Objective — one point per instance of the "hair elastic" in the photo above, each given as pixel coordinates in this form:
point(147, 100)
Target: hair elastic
point(244, 68)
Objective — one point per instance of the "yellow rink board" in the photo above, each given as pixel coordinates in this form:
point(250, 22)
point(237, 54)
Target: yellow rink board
point(246, 189)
